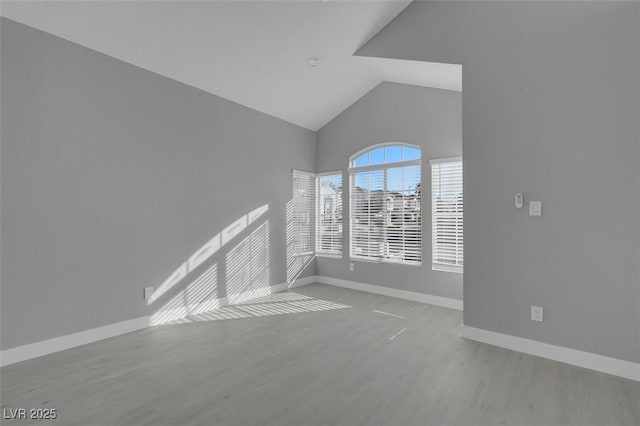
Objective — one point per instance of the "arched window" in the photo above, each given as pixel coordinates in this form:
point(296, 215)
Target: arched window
point(385, 204)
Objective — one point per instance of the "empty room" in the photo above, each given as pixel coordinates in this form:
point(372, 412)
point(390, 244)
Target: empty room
point(331, 212)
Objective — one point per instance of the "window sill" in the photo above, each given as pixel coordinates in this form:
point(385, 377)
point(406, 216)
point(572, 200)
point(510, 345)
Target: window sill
point(304, 254)
point(447, 268)
point(386, 262)
point(329, 256)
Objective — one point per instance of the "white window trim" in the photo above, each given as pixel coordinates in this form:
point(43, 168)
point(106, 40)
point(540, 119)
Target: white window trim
point(445, 160)
point(387, 165)
point(437, 266)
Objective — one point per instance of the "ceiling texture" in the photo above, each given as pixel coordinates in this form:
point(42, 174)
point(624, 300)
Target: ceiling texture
point(253, 53)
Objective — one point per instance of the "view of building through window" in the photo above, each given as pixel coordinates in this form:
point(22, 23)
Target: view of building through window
point(329, 214)
point(385, 204)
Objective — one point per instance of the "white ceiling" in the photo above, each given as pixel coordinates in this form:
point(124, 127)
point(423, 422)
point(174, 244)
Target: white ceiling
point(253, 53)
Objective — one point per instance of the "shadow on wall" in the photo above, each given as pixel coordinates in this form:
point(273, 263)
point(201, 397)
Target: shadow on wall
point(297, 258)
point(246, 272)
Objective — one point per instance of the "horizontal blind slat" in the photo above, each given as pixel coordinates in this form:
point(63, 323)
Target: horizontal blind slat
point(303, 201)
point(447, 216)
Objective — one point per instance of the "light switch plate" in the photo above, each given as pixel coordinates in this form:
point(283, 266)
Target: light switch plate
point(519, 201)
point(148, 291)
point(352, 267)
point(535, 208)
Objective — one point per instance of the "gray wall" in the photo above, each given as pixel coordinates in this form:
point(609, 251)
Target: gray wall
point(551, 100)
point(430, 118)
point(112, 176)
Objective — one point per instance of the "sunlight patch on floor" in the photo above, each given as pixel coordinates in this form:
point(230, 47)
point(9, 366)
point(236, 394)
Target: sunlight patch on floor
point(275, 304)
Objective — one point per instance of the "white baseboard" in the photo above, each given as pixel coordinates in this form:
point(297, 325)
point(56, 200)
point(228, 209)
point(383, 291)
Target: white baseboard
point(302, 281)
point(445, 302)
point(57, 344)
point(605, 364)
point(617, 367)
point(45, 347)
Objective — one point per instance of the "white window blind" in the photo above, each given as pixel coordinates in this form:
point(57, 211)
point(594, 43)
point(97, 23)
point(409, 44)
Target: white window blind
point(385, 205)
point(303, 203)
point(329, 214)
point(446, 214)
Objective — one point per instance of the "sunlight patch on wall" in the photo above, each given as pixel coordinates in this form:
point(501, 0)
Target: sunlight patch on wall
point(296, 263)
point(247, 267)
point(199, 296)
point(205, 252)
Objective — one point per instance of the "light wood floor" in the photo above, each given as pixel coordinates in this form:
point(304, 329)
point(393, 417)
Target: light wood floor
point(293, 359)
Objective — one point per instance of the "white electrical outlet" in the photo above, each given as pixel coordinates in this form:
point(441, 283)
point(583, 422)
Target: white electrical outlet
point(148, 291)
point(535, 208)
point(536, 313)
point(352, 267)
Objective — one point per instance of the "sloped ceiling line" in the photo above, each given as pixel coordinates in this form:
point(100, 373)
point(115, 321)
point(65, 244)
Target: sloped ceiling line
point(252, 53)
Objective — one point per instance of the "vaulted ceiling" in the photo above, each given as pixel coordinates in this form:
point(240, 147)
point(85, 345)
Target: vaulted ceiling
point(253, 53)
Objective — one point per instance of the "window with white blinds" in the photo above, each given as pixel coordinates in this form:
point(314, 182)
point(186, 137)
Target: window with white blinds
point(446, 214)
point(329, 214)
point(385, 192)
point(303, 204)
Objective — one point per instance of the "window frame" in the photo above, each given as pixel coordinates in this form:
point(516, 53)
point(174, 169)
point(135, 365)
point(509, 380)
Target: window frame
point(458, 267)
point(318, 252)
point(384, 167)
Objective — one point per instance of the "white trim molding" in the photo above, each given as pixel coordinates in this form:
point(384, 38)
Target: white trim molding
point(591, 361)
point(61, 343)
point(430, 299)
point(444, 160)
point(299, 282)
point(57, 344)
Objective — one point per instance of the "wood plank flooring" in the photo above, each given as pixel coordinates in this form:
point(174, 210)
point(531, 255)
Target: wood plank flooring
point(318, 355)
